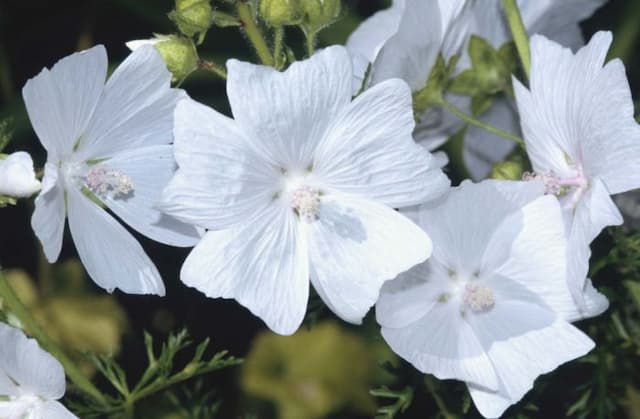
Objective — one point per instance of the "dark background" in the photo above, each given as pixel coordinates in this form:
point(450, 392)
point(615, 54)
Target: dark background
point(35, 34)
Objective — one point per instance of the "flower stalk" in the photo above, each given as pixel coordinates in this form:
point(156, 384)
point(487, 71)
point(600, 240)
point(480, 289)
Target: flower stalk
point(16, 307)
point(519, 33)
point(477, 123)
point(254, 33)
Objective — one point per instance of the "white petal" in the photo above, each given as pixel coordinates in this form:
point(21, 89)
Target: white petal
point(110, 254)
point(356, 245)
point(50, 213)
point(17, 177)
point(462, 224)
point(220, 180)
point(61, 101)
point(408, 297)
point(520, 355)
point(286, 114)
point(595, 211)
point(369, 151)
point(368, 38)
point(137, 43)
point(136, 108)
point(54, 410)
point(530, 248)
point(263, 265)
point(412, 51)
point(150, 169)
point(442, 343)
point(610, 143)
point(34, 370)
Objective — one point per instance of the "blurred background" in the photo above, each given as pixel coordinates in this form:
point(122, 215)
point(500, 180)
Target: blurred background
point(327, 370)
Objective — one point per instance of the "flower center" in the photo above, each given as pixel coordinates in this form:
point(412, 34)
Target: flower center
point(105, 182)
point(477, 297)
point(305, 201)
point(557, 185)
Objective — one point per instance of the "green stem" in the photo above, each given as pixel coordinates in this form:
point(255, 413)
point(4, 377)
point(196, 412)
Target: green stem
point(254, 33)
point(519, 33)
point(214, 68)
point(311, 43)
point(278, 41)
point(16, 307)
point(476, 122)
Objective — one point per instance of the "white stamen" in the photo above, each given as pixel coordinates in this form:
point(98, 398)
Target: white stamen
point(105, 182)
point(305, 201)
point(478, 297)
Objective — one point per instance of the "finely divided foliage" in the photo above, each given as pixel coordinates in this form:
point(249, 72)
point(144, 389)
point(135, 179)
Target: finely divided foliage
point(324, 177)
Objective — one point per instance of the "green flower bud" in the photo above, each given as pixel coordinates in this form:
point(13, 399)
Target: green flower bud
point(508, 170)
point(320, 13)
point(192, 16)
point(281, 12)
point(178, 52)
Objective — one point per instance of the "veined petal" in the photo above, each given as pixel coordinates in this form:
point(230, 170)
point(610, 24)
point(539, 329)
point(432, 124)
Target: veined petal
point(286, 114)
point(110, 254)
point(61, 101)
point(150, 169)
point(412, 51)
point(263, 265)
point(369, 151)
point(356, 245)
point(36, 372)
point(462, 239)
point(220, 181)
point(50, 213)
point(443, 344)
point(519, 356)
point(136, 108)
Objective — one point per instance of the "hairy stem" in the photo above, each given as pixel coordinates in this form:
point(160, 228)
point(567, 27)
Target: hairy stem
point(214, 68)
point(16, 307)
point(477, 123)
point(254, 33)
point(278, 41)
point(311, 43)
point(519, 33)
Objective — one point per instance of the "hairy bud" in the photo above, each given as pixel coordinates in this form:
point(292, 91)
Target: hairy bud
point(281, 12)
point(193, 16)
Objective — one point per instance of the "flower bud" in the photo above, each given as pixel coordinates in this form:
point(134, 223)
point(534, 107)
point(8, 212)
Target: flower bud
point(17, 177)
point(192, 16)
point(320, 13)
point(508, 170)
point(281, 12)
point(178, 52)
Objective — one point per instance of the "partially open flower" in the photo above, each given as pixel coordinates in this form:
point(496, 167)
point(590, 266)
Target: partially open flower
point(17, 177)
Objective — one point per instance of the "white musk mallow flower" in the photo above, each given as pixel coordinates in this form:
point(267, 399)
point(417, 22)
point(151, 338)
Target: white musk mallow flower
point(17, 177)
point(31, 380)
point(107, 145)
point(301, 185)
point(583, 142)
point(403, 42)
point(492, 305)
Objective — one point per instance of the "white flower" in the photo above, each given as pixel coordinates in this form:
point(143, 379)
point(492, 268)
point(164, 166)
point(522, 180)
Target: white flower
point(137, 43)
point(31, 380)
point(558, 20)
point(111, 140)
point(404, 42)
point(492, 306)
point(301, 184)
point(582, 140)
point(17, 177)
